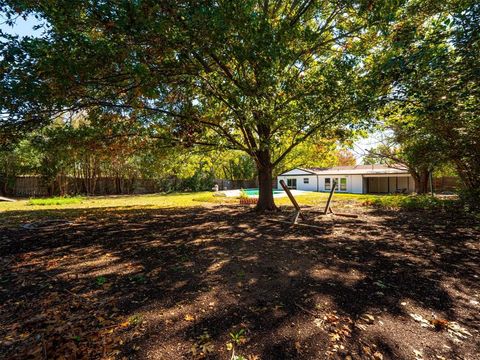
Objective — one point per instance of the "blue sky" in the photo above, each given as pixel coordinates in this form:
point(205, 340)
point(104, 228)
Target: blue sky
point(361, 146)
point(21, 27)
point(25, 28)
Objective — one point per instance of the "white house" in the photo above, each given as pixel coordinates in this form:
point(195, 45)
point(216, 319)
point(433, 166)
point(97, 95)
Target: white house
point(359, 179)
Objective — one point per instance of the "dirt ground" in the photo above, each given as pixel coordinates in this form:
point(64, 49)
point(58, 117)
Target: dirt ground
point(207, 282)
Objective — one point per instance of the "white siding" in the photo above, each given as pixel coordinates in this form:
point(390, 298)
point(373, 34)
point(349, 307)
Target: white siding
point(312, 183)
point(311, 186)
point(356, 184)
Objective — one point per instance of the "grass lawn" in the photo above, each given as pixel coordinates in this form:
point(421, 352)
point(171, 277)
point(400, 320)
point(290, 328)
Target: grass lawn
point(149, 200)
point(34, 209)
point(192, 276)
point(56, 201)
point(161, 201)
point(26, 210)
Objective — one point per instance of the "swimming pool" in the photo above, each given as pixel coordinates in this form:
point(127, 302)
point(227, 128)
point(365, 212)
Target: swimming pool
point(256, 191)
point(253, 193)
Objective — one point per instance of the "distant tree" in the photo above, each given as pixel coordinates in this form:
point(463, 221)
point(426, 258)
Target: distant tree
point(434, 105)
point(413, 159)
point(234, 165)
point(345, 158)
point(406, 145)
point(21, 159)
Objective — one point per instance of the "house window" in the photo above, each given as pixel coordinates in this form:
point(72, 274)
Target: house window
point(306, 180)
point(292, 183)
point(343, 184)
point(327, 184)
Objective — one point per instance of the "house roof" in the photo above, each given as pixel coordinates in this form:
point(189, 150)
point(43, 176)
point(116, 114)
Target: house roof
point(356, 170)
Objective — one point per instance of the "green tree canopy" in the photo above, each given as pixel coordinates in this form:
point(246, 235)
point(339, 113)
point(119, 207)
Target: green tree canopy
point(433, 107)
point(257, 76)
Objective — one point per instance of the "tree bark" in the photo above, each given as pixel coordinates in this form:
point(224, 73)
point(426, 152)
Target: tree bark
point(421, 182)
point(265, 194)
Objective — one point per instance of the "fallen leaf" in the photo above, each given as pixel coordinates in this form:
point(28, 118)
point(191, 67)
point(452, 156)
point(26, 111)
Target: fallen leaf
point(439, 324)
point(298, 347)
point(366, 350)
point(418, 354)
point(189, 317)
point(424, 322)
point(334, 337)
point(456, 331)
point(331, 318)
point(369, 319)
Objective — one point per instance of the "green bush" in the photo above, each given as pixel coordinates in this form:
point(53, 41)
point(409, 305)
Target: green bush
point(410, 202)
point(470, 199)
point(56, 201)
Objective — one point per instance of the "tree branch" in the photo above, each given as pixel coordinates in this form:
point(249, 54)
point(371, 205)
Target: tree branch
point(303, 138)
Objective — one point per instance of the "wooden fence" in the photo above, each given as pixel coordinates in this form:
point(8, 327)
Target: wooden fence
point(446, 184)
point(31, 186)
point(235, 184)
point(34, 186)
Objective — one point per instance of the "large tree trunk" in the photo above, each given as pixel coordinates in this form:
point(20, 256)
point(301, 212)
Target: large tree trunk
point(265, 179)
point(265, 195)
point(421, 182)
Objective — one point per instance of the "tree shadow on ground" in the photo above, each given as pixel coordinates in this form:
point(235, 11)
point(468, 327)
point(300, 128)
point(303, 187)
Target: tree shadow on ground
point(175, 283)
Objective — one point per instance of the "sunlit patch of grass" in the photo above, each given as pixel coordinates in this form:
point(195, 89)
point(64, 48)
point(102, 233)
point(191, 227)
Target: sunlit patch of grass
point(14, 213)
point(320, 198)
point(210, 198)
point(56, 201)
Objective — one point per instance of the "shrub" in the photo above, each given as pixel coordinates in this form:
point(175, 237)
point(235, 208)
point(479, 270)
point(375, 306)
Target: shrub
point(410, 202)
point(470, 199)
